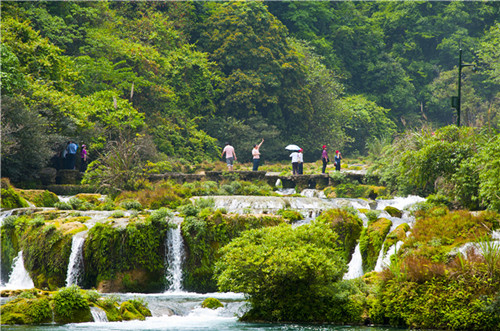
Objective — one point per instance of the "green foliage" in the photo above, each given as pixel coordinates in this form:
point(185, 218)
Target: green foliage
point(134, 250)
point(347, 227)
point(371, 241)
point(290, 215)
point(211, 303)
point(160, 215)
point(131, 205)
point(134, 309)
point(10, 198)
point(289, 274)
point(203, 239)
point(27, 311)
point(71, 306)
point(393, 211)
point(63, 205)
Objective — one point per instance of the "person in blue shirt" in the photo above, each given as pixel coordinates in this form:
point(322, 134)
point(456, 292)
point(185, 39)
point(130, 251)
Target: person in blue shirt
point(337, 159)
point(71, 155)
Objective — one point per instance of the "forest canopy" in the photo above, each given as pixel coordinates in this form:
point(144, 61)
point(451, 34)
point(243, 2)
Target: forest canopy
point(188, 76)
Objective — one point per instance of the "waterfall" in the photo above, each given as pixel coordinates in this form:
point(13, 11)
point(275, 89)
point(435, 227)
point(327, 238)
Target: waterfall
point(75, 264)
point(355, 265)
point(98, 314)
point(385, 260)
point(19, 277)
point(5, 214)
point(175, 255)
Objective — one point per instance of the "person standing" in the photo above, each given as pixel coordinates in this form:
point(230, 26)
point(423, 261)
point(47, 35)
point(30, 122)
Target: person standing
point(256, 156)
point(301, 162)
point(295, 162)
point(83, 158)
point(324, 158)
point(230, 156)
point(71, 155)
point(337, 159)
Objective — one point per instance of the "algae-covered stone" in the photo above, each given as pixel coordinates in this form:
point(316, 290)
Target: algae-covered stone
point(393, 211)
point(203, 239)
point(371, 241)
point(291, 215)
point(134, 310)
point(398, 234)
point(348, 226)
point(40, 198)
point(211, 303)
point(26, 311)
point(70, 306)
point(9, 198)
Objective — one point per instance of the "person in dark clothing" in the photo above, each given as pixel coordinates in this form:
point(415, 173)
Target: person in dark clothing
point(337, 159)
point(71, 155)
point(324, 158)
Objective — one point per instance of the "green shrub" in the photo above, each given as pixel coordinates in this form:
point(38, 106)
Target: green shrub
point(291, 215)
point(63, 205)
point(70, 306)
point(118, 214)
point(160, 215)
point(131, 205)
point(189, 210)
point(289, 274)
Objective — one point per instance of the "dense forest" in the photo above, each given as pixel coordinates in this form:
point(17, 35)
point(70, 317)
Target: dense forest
point(170, 82)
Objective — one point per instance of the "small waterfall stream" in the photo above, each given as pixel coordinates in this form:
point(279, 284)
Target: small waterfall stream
point(19, 277)
point(355, 265)
point(175, 256)
point(75, 265)
point(98, 315)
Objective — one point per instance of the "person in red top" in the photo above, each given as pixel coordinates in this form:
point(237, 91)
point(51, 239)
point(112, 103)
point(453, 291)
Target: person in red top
point(230, 156)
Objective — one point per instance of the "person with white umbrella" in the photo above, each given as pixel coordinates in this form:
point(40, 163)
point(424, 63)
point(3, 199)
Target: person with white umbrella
point(295, 162)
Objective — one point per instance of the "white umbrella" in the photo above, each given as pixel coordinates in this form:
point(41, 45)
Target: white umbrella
point(292, 148)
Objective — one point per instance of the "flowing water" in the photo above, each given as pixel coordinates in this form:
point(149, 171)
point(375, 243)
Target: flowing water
point(19, 277)
point(179, 310)
point(75, 264)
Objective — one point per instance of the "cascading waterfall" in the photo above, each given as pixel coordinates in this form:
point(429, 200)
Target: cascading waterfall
point(75, 264)
point(175, 256)
point(355, 265)
point(98, 314)
point(19, 277)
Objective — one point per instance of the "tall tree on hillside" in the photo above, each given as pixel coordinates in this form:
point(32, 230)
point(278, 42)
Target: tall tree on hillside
point(261, 75)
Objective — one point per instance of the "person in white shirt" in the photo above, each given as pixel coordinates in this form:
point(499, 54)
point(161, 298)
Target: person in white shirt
point(295, 162)
point(256, 156)
point(230, 156)
point(301, 162)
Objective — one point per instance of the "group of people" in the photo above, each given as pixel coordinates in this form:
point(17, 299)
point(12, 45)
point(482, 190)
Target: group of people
point(297, 158)
point(69, 156)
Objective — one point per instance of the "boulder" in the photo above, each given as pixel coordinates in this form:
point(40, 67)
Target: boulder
point(47, 175)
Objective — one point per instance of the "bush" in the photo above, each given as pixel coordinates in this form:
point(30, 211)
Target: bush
point(70, 306)
point(289, 274)
point(131, 205)
point(160, 215)
point(63, 206)
point(211, 303)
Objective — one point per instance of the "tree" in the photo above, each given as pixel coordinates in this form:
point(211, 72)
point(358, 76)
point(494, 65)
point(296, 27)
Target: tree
point(289, 274)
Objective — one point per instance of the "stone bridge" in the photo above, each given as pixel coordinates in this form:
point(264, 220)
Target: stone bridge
point(317, 181)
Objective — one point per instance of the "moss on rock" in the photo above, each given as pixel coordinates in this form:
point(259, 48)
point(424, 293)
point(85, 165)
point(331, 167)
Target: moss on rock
point(398, 234)
point(348, 226)
point(211, 303)
point(393, 211)
point(27, 311)
point(203, 239)
point(40, 198)
point(9, 198)
point(371, 241)
point(126, 258)
point(134, 310)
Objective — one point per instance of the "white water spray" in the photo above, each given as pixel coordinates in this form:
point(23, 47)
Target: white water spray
point(98, 315)
point(355, 265)
point(19, 277)
point(75, 264)
point(175, 256)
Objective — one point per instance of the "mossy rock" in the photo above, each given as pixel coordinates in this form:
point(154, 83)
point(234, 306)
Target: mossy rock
point(112, 312)
point(70, 306)
point(134, 310)
point(330, 192)
point(393, 211)
point(69, 189)
point(398, 234)
point(26, 311)
point(371, 241)
point(347, 226)
point(204, 237)
point(211, 303)
point(9, 198)
point(40, 198)
point(92, 198)
point(291, 215)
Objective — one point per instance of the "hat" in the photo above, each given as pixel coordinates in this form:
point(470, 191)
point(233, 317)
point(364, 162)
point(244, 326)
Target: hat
point(300, 150)
point(324, 146)
point(84, 145)
point(336, 151)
